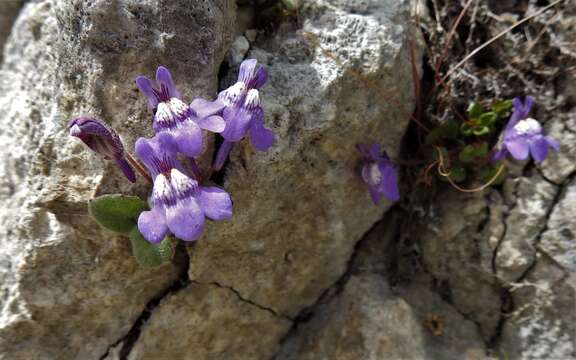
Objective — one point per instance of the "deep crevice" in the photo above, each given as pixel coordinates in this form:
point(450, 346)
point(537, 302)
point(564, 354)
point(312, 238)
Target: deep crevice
point(131, 337)
point(331, 292)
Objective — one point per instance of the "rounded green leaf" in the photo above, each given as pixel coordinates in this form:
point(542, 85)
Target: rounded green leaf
point(488, 118)
point(472, 152)
point(457, 174)
point(475, 110)
point(147, 254)
point(502, 107)
point(481, 131)
point(117, 212)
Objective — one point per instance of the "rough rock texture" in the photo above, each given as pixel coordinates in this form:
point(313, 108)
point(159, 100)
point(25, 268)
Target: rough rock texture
point(364, 317)
point(292, 275)
point(8, 11)
point(208, 321)
point(68, 288)
point(366, 321)
point(293, 203)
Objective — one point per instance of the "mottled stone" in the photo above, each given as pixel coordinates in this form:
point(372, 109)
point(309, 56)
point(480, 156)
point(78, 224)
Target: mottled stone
point(533, 198)
point(448, 335)
point(366, 321)
point(301, 207)
point(209, 322)
point(69, 289)
point(458, 241)
point(8, 11)
point(558, 241)
point(543, 325)
point(558, 166)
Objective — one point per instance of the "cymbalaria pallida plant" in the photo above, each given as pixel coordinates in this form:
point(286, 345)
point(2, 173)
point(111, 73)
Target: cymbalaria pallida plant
point(180, 200)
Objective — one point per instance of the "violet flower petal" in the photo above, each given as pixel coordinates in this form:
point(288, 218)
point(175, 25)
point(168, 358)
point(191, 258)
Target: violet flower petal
point(260, 137)
point(216, 203)
point(374, 152)
point(389, 184)
point(237, 123)
point(375, 195)
point(539, 149)
point(126, 169)
point(252, 74)
point(214, 123)
point(145, 85)
point(204, 108)
point(552, 143)
point(102, 140)
point(166, 83)
point(152, 225)
point(185, 219)
point(518, 147)
point(189, 139)
point(498, 155)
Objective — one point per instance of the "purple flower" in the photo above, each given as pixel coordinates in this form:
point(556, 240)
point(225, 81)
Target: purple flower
point(243, 112)
point(178, 203)
point(523, 135)
point(177, 119)
point(102, 140)
point(378, 173)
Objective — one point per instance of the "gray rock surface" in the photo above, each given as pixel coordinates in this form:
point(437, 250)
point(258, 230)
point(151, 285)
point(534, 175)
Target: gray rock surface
point(292, 203)
point(8, 11)
point(209, 322)
point(292, 275)
point(69, 289)
point(366, 321)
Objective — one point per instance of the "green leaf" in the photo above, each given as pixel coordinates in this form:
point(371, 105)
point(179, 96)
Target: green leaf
point(486, 173)
point(472, 152)
point(466, 129)
point(291, 5)
point(481, 131)
point(488, 118)
point(502, 107)
point(457, 174)
point(449, 130)
point(475, 110)
point(147, 254)
point(117, 212)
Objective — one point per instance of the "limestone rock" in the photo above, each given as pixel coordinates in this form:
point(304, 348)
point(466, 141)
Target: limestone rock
point(457, 243)
point(209, 322)
point(8, 11)
point(292, 233)
point(70, 289)
point(366, 321)
point(558, 240)
point(543, 326)
point(533, 198)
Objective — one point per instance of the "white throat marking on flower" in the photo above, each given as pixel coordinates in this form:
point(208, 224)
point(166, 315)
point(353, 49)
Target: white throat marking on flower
point(528, 126)
point(375, 174)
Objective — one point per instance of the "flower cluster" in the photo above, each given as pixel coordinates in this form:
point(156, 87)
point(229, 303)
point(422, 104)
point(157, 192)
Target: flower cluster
point(178, 203)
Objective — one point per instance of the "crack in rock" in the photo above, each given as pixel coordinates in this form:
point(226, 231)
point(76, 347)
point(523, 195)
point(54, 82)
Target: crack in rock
point(329, 294)
point(508, 306)
point(245, 300)
point(128, 341)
